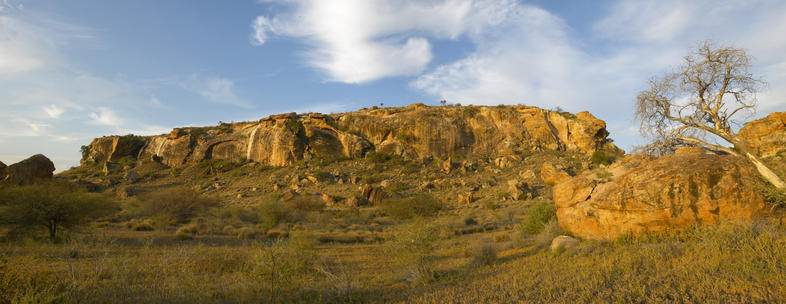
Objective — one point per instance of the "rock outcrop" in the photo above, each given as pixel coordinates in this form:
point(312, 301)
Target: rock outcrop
point(665, 194)
point(2, 169)
point(34, 168)
point(767, 136)
point(372, 194)
point(551, 175)
point(415, 131)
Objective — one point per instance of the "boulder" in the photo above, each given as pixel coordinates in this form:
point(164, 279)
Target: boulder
point(551, 175)
point(767, 136)
point(657, 196)
point(357, 202)
point(527, 175)
point(507, 161)
point(373, 194)
point(518, 190)
point(427, 185)
point(288, 195)
point(465, 198)
point(124, 192)
point(329, 200)
point(36, 167)
point(447, 165)
point(563, 242)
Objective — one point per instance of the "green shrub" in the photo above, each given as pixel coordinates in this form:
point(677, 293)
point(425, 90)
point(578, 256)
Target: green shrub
point(213, 166)
point(408, 207)
point(306, 203)
point(537, 217)
point(85, 150)
point(271, 213)
point(774, 196)
point(178, 204)
point(413, 248)
point(50, 205)
point(600, 158)
point(378, 157)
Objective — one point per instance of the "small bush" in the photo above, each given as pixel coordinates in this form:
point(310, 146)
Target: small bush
point(547, 234)
point(537, 216)
point(405, 208)
point(178, 204)
point(600, 158)
point(484, 255)
point(213, 166)
point(774, 196)
point(306, 203)
point(502, 237)
point(378, 157)
point(246, 233)
point(413, 248)
point(145, 225)
point(271, 212)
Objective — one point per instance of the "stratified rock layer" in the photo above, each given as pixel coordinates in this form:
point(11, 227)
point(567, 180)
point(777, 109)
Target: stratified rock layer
point(665, 194)
point(766, 136)
point(414, 131)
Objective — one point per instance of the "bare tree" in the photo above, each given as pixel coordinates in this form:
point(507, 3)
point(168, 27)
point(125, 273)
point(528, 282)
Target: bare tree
point(699, 103)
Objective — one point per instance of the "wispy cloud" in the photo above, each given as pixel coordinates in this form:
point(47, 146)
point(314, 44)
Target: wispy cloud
point(215, 89)
point(53, 110)
point(105, 116)
point(357, 41)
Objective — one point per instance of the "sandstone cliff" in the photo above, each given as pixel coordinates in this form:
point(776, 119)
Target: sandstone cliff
point(657, 195)
point(414, 131)
point(766, 136)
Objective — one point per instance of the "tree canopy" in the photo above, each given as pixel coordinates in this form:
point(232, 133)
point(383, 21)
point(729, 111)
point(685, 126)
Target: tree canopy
point(702, 102)
point(51, 206)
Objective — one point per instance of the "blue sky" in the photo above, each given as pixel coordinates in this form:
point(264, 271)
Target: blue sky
point(74, 70)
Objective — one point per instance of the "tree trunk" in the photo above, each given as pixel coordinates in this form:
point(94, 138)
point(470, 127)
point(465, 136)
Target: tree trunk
point(52, 230)
point(766, 172)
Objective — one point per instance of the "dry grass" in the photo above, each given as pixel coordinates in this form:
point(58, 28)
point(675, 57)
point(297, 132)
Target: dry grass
point(726, 263)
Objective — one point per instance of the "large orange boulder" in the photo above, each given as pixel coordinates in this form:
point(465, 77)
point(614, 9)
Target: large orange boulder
point(656, 196)
point(766, 136)
point(37, 167)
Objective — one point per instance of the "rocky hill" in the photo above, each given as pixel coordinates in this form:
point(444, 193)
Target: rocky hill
point(415, 131)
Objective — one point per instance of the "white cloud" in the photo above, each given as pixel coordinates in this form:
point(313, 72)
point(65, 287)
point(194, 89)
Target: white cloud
point(215, 89)
point(357, 41)
point(53, 110)
point(155, 102)
point(525, 58)
point(105, 116)
point(21, 49)
point(262, 27)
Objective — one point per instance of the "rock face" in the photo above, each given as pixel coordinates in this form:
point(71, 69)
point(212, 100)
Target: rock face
point(2, 169)
point(669, 193)
point(415, 131)
point(551, 175)
point(372, 194)
point(37, 167)
point(766, 136)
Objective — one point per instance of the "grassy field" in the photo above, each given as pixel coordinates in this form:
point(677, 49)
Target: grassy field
point(222, 232)
point(727, 263)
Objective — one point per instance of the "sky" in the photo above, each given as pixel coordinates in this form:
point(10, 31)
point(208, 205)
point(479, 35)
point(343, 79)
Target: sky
point(74, 70)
